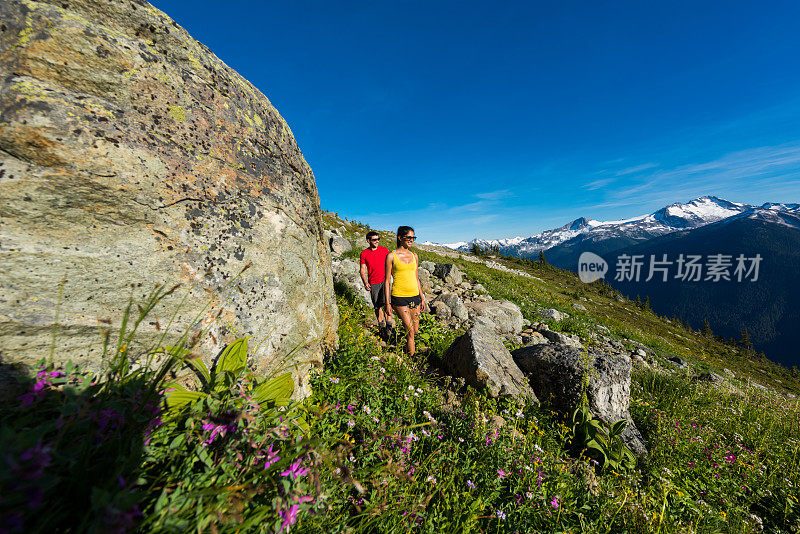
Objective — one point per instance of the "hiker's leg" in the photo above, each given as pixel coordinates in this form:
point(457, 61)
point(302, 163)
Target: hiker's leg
point(405, 315)
point(415, 320)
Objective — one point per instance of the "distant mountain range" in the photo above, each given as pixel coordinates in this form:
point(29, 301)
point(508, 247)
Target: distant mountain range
point(704, 227)
point(567, 242)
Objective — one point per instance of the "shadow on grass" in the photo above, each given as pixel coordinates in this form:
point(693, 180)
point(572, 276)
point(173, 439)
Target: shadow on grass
point(71, 447)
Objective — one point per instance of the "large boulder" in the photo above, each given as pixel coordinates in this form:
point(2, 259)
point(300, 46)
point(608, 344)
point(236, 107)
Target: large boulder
point(480, 357)
point(131, 156)
point(502, 316)
point(448, 272)
point(456, 305)
point(556, 374)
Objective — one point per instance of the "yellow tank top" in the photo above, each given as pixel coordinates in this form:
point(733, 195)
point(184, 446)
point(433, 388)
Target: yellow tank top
point(404, 277)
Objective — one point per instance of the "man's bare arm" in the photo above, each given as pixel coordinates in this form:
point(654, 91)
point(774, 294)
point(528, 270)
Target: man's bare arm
point(364, 276)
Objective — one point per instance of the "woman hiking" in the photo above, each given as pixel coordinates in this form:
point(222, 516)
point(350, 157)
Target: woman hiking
point(403, 290)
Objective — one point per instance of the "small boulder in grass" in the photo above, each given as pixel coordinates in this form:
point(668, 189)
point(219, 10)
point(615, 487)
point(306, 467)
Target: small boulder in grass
point(551, 313)
point(556, 372)
point(480, 357)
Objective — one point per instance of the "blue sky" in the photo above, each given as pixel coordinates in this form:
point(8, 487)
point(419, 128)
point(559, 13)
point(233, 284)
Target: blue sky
point(497, 119)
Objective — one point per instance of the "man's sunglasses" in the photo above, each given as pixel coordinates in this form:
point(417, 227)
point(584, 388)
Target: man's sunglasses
point(375, 239)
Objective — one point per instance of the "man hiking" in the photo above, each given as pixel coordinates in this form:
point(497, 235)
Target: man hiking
point(373, 274)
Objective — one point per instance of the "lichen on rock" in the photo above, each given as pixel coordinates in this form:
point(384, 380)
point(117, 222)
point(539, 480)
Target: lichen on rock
point(130, 155)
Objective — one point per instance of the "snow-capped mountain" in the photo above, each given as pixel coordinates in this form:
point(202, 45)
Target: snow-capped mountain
point(583, 232)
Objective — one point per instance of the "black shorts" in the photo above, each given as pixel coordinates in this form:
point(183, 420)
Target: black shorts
point(411, 302)
point(378, 294)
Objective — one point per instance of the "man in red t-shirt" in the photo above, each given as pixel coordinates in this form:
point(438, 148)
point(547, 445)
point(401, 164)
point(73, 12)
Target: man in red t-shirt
point(373, 274)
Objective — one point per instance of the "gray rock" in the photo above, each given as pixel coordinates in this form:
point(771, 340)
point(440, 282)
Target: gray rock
point(441, 310)
point(455, 304)
point(478, 288)
point(340, 245)
point(680, 363)
point(428, 266)
point(556, 373)
point(534, 338)
point(579, 307)
point(133, 156)
point(710, 377)
point(354, 282)
point(466, 285)
point(448, 273)
point(564, 339)
point(346, 266)
point(425, 280)
point(727, 372)
point(502, 316)
point(551, 313)
point(480, 357)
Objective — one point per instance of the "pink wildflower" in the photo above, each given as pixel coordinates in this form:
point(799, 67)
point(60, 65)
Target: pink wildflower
point(289, 516)
point(295, 471)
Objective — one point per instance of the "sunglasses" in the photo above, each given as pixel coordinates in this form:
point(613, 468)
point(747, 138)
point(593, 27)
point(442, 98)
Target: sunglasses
point(375, 239)
point(409, 237)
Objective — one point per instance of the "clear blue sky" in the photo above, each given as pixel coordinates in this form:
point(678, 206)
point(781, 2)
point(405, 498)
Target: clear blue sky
point(496, 119)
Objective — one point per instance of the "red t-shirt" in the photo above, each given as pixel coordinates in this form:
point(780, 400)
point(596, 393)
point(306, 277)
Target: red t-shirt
point(376, 264)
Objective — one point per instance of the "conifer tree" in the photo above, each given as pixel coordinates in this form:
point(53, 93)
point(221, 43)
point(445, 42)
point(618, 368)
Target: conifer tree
point(745, 341)
point(707, 328)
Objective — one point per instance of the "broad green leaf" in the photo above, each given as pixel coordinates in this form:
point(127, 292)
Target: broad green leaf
point(618, 427)
point(180, 396)
point(234, 357)
point(278, 390)
point(199, 367)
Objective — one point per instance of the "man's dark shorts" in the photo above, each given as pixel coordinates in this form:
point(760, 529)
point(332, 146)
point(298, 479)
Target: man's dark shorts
point(378, 295)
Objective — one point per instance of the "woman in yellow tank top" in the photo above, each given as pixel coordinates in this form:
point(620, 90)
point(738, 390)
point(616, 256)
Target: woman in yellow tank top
point(403, 290)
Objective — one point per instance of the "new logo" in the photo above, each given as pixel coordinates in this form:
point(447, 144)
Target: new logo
point(591, 267)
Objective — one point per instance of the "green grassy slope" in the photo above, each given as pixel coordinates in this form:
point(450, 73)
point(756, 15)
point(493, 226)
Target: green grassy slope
point(556, 288)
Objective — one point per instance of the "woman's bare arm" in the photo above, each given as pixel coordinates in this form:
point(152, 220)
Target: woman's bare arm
point(387, 287)
point(419, 284)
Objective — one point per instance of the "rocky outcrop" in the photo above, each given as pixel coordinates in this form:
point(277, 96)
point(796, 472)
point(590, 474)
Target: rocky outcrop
point(455, 304)
point(131, 156)
point(448, 272)
point(428, 266)
point(556, 374)
point(502, 316)
point(348, 272)
point(339, 245)
point(480, 357)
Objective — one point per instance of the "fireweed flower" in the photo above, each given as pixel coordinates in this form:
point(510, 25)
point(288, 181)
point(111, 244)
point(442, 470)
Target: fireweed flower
point(500, 474)
point(295, 471)
point(554, 503)
point(289, 516)
point(272, 456)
